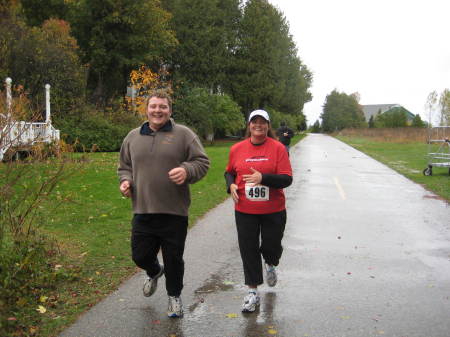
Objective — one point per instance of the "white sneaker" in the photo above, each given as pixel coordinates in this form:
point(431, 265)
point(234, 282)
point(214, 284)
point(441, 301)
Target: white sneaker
point(175, 308)
point(271, 275)
point(151, 283)
point(250, 302)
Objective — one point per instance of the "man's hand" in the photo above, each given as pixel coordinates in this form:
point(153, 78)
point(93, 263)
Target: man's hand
point(255, 177)
point(125, 188)
point(233, 191)
point(178, 175)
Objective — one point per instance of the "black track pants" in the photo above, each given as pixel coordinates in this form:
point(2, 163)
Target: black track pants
point(259, 234)
point(152, 232)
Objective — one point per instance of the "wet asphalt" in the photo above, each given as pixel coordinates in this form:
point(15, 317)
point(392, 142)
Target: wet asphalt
point(366, 253)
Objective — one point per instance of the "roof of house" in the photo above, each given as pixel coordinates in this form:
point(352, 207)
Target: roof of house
point(373, 109)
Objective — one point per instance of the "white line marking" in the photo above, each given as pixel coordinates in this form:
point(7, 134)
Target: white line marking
point(340, 189)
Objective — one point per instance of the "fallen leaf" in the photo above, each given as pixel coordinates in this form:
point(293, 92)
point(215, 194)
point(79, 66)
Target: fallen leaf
point(272, 332)
point(232, 315)
point(41, 309)
point(12, 319)
point(345, 317)
point(349, 273)
point(43, 299)
point(228, 283)
point(156, 321)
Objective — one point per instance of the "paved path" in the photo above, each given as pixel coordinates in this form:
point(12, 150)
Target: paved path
point(367, 253)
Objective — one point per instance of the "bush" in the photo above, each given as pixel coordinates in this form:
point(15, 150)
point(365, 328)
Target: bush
point(28, 190)
point(100, 130)
point(208, 114)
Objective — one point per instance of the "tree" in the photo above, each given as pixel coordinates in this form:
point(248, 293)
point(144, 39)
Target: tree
point(36, 56)
point(430, 104)
point(208, 114)
point(371, 122)
point(118, 36)
point(38, 11)
point(393, 118)
point(207, 35)
point(417, 122)
point(444, 107)
point(316, 128)
point(341, 111)
point(266, 70)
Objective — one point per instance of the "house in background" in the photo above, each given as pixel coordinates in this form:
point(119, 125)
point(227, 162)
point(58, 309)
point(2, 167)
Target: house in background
point(375, 109)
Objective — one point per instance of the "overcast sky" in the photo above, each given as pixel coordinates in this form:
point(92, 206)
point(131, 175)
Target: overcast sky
point(389, 51)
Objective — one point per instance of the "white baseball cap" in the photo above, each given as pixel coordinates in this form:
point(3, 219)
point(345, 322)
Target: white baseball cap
point(261, 113)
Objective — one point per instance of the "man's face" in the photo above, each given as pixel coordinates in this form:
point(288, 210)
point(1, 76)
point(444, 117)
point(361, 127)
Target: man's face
point(158, 112)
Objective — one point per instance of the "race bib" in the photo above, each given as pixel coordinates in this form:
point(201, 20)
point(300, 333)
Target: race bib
point(256, 192)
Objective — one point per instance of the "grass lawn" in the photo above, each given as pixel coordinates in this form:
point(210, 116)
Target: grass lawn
point(93, 231)
point(409, 159)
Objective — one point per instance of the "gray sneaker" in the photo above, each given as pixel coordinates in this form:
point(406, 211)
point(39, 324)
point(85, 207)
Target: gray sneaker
point(271, 275)
point(175, 308)
point(151, 283)
point(251, 301)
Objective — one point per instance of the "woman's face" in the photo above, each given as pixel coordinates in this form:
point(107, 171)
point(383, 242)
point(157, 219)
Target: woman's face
point(259, 127)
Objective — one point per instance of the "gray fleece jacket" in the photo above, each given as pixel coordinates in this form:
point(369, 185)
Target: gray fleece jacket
point(147, 156)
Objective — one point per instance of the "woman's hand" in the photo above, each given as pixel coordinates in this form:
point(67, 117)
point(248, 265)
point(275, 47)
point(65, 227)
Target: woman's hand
point(233, 191)
point(255, 177)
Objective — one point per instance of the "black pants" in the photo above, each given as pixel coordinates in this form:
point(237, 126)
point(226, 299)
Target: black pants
point(152, 232)
point(252, 227)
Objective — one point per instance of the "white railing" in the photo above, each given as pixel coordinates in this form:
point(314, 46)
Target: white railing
point(21, 133)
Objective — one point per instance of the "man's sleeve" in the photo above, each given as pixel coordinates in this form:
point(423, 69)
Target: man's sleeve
point(197, 162)
point(125, 168)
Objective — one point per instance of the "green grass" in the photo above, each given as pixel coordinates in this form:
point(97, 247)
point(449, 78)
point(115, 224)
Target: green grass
point(93, 232)
point(409, 159)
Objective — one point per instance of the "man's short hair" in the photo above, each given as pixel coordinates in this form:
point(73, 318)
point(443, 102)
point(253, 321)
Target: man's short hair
point(160, 93)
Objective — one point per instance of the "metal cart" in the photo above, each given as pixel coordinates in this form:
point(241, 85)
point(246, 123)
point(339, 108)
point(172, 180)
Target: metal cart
point(438, 149)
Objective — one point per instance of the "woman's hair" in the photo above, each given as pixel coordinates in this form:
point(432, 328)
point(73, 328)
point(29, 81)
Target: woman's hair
point(160, 93)
point(270, 132)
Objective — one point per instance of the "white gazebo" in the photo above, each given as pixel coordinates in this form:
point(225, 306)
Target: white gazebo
point(18, 134)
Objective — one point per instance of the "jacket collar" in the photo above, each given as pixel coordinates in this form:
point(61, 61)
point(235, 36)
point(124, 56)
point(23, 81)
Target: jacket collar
point(147, 131)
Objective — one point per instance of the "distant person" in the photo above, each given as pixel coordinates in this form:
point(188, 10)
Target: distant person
point(284, 134)
point(258, 169)
point(157, 163)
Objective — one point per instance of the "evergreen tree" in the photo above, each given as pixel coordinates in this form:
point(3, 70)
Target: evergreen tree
point(417, 122)
point(341, 111)
point(316, 128)
point(207, 35)
point(266, 69)
point(371, 122)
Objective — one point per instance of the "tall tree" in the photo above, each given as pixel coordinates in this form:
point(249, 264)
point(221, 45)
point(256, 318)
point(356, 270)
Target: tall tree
point(40, 55)
point(341, 111)
point(116, 36)
point(38, 11)
point(417, 122)
point(267, 70)
point(207, 33)
point(444, 108)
